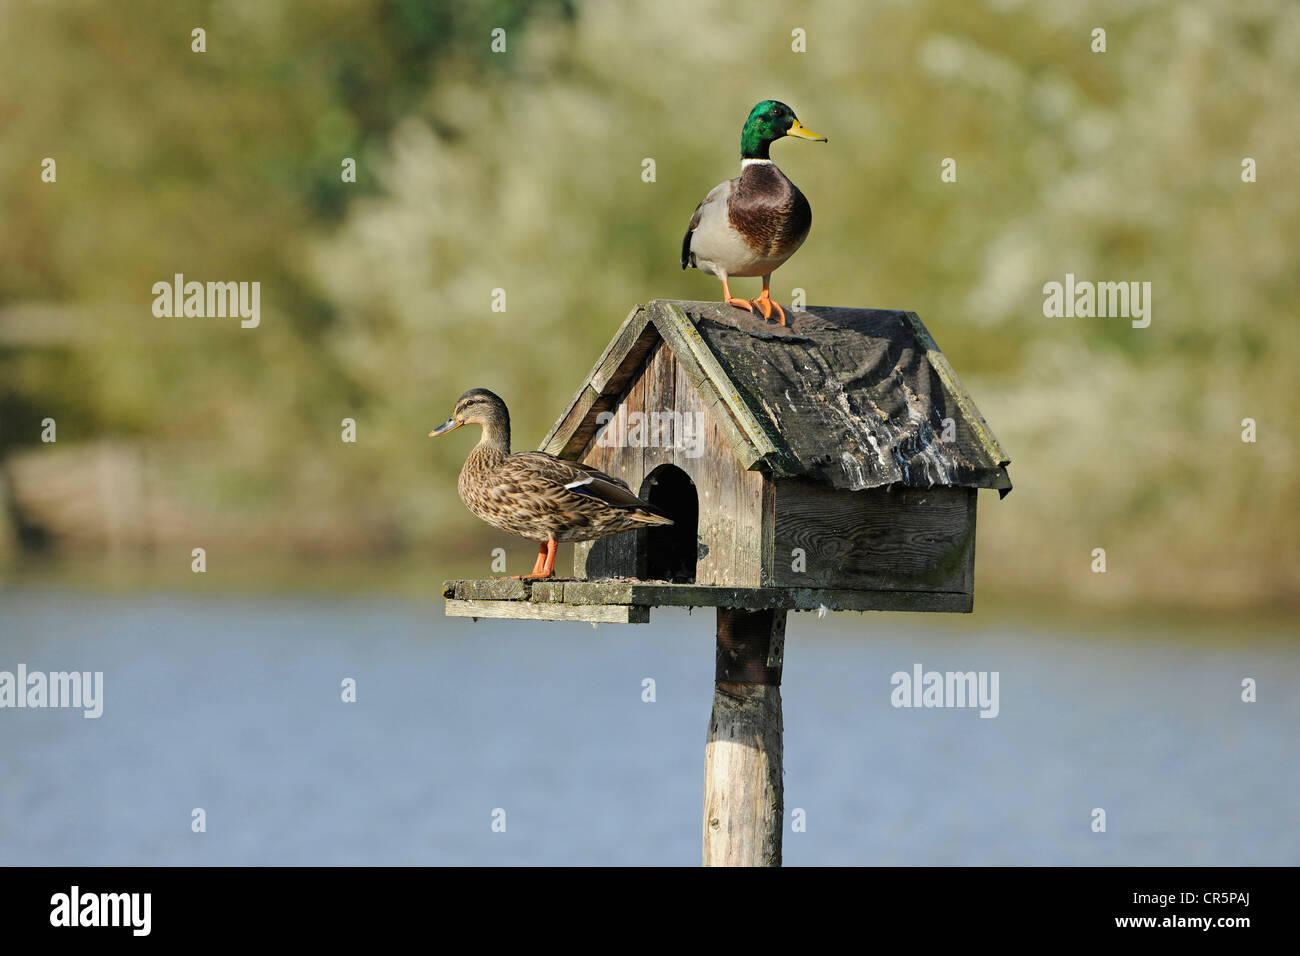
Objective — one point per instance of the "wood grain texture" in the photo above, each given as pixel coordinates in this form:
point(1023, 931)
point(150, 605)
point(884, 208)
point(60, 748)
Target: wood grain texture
point(889, 382)
point(625, 354)
point(487, 589)
point(744, 801)
point(745, 437)
point(577, 423)
point(529, 611)
point(973, 418)
point(729, 544)
point(653, 594)
point(893, 539)
point(853, 398)
point(972, 510)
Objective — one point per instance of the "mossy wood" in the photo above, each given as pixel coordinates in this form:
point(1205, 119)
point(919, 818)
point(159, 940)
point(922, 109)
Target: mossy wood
point(629, 601)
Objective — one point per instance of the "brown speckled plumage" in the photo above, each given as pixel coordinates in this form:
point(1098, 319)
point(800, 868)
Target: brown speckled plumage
point(526, 494)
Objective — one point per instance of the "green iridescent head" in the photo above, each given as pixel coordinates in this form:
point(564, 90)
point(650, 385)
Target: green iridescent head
point(768, 122)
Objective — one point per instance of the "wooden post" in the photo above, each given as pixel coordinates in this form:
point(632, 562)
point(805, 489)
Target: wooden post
point(744, 807)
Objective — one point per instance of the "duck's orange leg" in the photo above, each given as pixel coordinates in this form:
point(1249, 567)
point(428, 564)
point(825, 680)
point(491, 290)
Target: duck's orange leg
point(738, 303)
point(548, 568)
point(766, 303)
point(537, 565)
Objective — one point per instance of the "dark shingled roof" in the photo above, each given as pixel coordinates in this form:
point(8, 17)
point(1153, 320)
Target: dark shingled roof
point(852, 398)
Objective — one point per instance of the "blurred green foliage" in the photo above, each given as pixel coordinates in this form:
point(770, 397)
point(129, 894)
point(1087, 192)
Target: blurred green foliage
point(522, 170)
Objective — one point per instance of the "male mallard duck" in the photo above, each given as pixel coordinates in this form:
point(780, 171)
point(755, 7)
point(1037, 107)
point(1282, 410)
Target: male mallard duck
point(536, 495)
point(750, 225)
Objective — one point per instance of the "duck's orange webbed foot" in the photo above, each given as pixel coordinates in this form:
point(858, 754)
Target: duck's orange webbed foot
point(537, 565)
point(766, 304)
point(545, 566)
point(728, 298)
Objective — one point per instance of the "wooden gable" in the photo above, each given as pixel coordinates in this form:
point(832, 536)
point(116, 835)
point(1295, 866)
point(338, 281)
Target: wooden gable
point(851, 398)
point(730, 498)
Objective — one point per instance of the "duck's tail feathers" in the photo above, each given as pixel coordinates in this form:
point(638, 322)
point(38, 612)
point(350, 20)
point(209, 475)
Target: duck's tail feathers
point(642, 516)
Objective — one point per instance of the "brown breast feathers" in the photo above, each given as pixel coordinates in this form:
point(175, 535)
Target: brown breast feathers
point(769, 210)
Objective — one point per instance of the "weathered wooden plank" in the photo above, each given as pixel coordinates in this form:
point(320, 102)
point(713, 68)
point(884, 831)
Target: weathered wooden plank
point(656, 396)
point(731, 504)
point(838, 600)
point(487, 589)
point(621, 362)
point(582, 565)
point(672, 320)
point(894, 539)
point(968, 577)
point(767, 533)
point(611, 557)
point(618, 555)
point(576, 424)
point(625, 354)
point(785, 393)
point(692, 392)
point(693, 595)
point(559, 435)
point(530, 611)
point(730, 501)
point(974, 418)
point(749, 442)
point(547, 592)
point(849, 397)
point(615, 556)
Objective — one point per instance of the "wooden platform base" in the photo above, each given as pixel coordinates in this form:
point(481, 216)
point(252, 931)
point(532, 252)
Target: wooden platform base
point(629, 602)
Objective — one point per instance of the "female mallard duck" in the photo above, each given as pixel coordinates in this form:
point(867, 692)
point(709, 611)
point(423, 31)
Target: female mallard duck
point(750, 225)
point(536, 495)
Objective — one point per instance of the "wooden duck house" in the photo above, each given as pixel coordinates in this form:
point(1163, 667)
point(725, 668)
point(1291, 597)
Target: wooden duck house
point(833, 464)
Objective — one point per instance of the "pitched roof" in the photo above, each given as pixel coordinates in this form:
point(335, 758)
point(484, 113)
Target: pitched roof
point(852, 398)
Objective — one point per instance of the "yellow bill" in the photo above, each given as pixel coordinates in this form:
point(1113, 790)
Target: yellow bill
point(803, 132)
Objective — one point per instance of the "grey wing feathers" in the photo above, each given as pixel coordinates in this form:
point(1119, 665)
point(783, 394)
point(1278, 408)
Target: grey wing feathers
point(605, 488)
point(687, 258)
point(593, 472)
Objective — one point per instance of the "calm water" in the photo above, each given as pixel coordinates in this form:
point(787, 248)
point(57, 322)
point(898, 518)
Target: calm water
point(233, 705)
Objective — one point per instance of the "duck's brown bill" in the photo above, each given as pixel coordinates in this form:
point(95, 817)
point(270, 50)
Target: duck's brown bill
point(450, 425)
